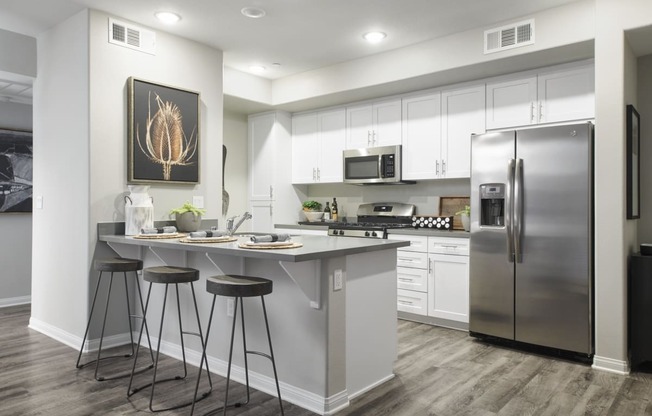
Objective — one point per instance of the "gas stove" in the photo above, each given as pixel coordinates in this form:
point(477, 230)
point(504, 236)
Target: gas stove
point(374, 219)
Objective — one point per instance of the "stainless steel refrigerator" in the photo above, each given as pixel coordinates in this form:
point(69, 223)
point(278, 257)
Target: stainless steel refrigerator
point(531, 275)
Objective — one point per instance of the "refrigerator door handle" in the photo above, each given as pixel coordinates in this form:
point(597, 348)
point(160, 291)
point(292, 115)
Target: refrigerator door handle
point(518, 210)
point(509, 229)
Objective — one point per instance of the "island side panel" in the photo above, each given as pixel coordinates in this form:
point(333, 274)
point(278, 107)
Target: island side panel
point(371, 320)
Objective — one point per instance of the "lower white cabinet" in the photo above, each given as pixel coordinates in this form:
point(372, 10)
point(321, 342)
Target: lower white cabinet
point(433, 277)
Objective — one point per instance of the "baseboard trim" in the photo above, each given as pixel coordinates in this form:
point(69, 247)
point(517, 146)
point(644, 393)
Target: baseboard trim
point(370, 387)
point(300, 397)
point(610, 365)
point(19, 300)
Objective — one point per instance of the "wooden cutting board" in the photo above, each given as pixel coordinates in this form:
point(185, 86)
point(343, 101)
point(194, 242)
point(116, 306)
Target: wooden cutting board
point(449, 205)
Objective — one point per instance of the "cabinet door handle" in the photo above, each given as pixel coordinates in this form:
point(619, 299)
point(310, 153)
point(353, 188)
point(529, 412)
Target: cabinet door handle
point(443, 167)
point(314, 174)
point(406, 259)
point(271, 191)
point(541, 112)
point(368, 137)
point(271, 210)
point(429, 266)
point(318, 175)
point(405, 279)
point(532, 112)
point(373, 135)
point(405, 302)
point(437, 168)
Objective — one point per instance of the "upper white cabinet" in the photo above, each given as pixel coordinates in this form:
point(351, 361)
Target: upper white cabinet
point(422, 136)
point(271, 196)
point(371, 125)
point(437, 130)
point(318, 140)
point(462, 114)
point(559, 94)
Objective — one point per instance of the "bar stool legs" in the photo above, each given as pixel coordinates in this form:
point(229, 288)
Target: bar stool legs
point(214, 287)
point(106, 310)
point(152, 384)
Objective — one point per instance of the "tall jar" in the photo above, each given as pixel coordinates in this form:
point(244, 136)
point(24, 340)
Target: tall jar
point(139, 209)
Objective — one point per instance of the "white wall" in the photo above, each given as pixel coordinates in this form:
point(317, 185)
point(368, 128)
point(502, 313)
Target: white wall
point(615, 237)
point(16, 243)
point(62, 178)
point(18, 57)
point(237, 170)
point(80, 109)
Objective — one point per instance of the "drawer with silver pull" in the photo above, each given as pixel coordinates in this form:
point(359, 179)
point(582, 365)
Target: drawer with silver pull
point(412, 279)
point(443, 245)
point(412, 302)
point(412, 259)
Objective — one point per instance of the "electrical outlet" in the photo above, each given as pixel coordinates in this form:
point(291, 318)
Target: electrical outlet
point(230, 306)
point(198, 201)
point(337, 280)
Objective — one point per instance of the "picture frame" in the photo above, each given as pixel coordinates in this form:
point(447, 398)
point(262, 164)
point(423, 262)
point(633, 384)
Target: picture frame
point(16, 164)
point(633, 163)
point(164, 133)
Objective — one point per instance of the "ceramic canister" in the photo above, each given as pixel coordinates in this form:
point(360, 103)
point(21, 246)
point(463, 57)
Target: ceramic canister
point(139, 210)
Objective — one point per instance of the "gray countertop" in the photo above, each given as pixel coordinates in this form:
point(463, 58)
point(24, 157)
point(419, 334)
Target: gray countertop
point(405, 231)
point(314, 247)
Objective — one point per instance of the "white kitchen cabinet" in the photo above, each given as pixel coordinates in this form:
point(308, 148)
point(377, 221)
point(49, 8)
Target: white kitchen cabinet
point(567, 94)
point(557, 94)
point(462, 114)
point(318, 140)
point(437, 130)
point(375, 124)
point(433, 277)
point(421, 136)
point(272, 199)
point(448, 278)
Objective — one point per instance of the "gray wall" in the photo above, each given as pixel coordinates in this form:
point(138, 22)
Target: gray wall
point(644, 108)
point(16, 241)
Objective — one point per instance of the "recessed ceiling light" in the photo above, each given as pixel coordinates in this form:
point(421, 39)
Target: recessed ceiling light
point(374, 37)
point(253, 12)
point(257, 68)
point(167, 17)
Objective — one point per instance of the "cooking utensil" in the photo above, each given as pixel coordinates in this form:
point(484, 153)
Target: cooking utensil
point(225, 195)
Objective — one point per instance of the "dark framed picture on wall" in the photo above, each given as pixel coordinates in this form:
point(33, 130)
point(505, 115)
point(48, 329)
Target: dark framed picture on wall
point(15, 171)
point(633, 163)
point(163, 133)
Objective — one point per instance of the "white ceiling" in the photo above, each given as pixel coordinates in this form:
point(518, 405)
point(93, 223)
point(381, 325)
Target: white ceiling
point(299, 34)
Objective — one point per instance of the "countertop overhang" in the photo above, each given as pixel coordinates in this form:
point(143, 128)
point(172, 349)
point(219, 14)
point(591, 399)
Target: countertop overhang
point(314, 247)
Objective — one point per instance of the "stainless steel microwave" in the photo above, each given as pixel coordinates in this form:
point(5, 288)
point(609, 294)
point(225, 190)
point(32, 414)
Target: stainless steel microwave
point(373, 165)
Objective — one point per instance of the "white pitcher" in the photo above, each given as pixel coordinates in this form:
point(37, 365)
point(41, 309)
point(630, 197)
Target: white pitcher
point(139, 209)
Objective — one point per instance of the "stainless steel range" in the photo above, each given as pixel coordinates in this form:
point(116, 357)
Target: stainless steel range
point(374, 219)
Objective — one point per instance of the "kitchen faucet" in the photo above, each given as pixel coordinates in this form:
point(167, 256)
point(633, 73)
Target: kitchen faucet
point(230, 228)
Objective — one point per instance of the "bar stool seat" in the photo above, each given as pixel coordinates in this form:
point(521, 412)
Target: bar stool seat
point(239, 287)
point(113, 265)
point(168, 275)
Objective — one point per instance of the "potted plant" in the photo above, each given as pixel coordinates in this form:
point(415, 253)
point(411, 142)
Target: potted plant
point(312, 210)
point(465, 215)
point(188, 217)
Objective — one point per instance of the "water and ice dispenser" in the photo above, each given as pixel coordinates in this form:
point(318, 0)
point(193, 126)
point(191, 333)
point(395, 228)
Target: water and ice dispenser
point(492, 204)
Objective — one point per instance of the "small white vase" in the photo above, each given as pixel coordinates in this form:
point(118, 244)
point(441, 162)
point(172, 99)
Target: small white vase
point(466, 222)
point(139, 210)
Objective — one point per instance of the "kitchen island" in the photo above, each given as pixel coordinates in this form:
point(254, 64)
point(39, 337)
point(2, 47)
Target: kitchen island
point(331, 343)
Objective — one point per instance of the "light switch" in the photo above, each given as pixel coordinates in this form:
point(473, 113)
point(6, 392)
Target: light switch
point(39, 202)
point(198, 201)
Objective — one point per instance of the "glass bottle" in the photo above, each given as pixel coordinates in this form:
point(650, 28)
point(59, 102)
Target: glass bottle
point(334, 210)
point(327, 212)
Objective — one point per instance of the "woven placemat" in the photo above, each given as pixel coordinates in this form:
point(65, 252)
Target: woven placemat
point(269, 246)
point(158, 236)
point(208, 240)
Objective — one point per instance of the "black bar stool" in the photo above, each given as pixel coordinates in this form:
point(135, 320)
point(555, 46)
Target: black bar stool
point(170, 275)
point(115, 265)
point(239, 287)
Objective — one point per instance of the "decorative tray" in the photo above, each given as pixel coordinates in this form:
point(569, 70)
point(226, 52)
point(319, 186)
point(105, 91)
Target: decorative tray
point(159, 236)
point(225, 239)
point(270, 245)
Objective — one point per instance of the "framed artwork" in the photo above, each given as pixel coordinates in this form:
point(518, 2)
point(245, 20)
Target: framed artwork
point(633, 163)
point(15, 171)
point(163, 134)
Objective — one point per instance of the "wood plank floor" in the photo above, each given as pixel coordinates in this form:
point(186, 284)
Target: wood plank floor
point(439, 372)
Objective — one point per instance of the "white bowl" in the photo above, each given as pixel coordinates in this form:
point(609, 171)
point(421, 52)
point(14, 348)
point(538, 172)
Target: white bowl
point(313, 216)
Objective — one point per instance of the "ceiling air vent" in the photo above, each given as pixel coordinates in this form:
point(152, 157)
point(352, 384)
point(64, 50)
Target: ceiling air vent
point(132, 37)
point(508, 37)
